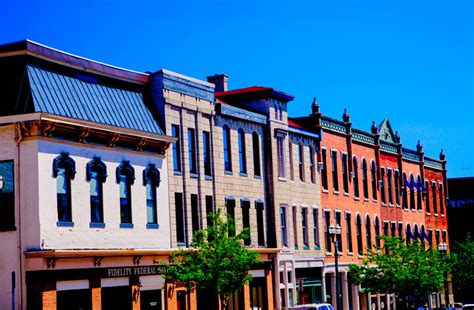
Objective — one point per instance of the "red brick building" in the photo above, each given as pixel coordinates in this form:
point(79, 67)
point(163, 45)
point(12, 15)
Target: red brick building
point(372, 185)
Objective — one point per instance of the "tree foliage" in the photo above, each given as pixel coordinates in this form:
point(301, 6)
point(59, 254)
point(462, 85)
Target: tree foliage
point(217, 261)
point(462, 264)
point(407, 270)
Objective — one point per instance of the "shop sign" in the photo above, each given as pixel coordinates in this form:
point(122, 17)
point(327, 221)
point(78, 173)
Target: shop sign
point(134, 271)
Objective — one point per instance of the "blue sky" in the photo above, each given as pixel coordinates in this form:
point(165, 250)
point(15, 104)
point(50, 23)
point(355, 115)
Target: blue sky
point(409, 60)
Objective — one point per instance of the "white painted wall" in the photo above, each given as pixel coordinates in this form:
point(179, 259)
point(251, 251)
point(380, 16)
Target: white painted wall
point(81, 236)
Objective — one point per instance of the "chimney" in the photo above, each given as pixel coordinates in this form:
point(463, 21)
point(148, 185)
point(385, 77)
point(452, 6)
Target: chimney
point(220, 80)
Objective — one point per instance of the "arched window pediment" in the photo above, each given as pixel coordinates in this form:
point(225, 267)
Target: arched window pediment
point(153, 174)
point(126, 169)
point(98, 166)
point(64, 161)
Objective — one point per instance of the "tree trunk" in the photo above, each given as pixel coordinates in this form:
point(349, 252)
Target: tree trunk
point(224, 302)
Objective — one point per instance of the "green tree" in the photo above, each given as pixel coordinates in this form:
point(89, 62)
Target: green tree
point(462, 264)
point(409, 271)
point(217, 261)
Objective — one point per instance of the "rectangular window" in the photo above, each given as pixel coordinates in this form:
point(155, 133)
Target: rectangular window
point(97, 214)
point(316, 228)
point(345, 177)
point(373, 172)
point(256, 154)
point(209, 209)
point(281, 157)
point(242, 152)
point(301, 161)
point(295, 228)
point(227, 148)
point(339, 237)
point(311, 165)
point(335, 183)
point(324, 172)
point(382, 186)
point(151, 214)
point(304, 222)
point(63, 186)
point(427, 196)
point(230, 208)
point(176, 148)
point(396, 180)
point(290, 155)
point(180, 219)
point(7, 196)
point(441, 200)
point(206, 152)
point(260, 223)
point(245, 205)
point(348, 232)
point(393, 229)
point(433, 194)
point(389, 186)
point(195, 213)
point(385, 228)
point(125, 200)
point(327, 237)
point(284, 226)
point(192, 151)
point(400, 230)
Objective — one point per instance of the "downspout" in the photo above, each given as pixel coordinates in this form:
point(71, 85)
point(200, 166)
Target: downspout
point(20, 254)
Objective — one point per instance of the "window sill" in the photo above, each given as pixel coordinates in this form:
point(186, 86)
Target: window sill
point(257, 177)
point(366, 199)
point(329, 254)
point(436, 214)
point(420, 210)
point(384, 204)
point(126, 225)
point(282, 179)
point(306, 247)
point(325, 191)
point(356, 198)
point(243, 174)
point(208, 178)
point(428, 213)
point(178, 173)
point(391, 205)
point(193, 175)
point(398, 206)
point(285, 249)
point(442, 215)
point(350, 254)
point(181, 244)
point(96, 225)
point(375, 200)
point(346, 194)
point(335, 192)
point(64, 224)
point(8, 228)
point(406, 210)
point(361, 256)
point(317, 247)
point(228, 172)
point(296, 247)
point(152, 226)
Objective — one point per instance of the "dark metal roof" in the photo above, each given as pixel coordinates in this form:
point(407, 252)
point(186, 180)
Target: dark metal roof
point(63, 95)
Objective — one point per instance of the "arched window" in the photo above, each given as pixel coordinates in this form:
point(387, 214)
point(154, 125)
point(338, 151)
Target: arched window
point(151, 180)
point(412, 192)
point(256, 153)
point(64, 170)
point(368, 233)
point(96, 174)
point(419, 193)
point(408, 234)
point(365, 184)
point(242, 157)
point(359, 234)
point(377, 231)
point(125, 177)
point(416, 233)
point(355, 182)
point(382, 186)
point(433, 194)
point(227, 152)
point(373, 171)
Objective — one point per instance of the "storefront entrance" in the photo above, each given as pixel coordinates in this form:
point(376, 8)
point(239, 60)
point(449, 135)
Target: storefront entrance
point(151, 300)
point(74, 300)
point(118, 297)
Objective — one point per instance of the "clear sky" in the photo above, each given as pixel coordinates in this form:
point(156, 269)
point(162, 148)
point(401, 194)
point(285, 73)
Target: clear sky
point(411, 61)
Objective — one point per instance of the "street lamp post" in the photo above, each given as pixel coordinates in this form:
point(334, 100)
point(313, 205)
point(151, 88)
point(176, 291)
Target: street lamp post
point(334, 232)
point(443, 248)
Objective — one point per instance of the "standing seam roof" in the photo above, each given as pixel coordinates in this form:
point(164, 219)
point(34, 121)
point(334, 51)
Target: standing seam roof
point(63, 95)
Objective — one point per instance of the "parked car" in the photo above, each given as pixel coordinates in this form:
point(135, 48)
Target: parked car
point(321, 306)
point(468, 307)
